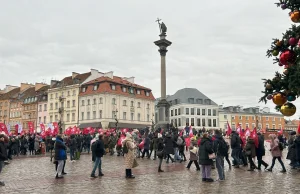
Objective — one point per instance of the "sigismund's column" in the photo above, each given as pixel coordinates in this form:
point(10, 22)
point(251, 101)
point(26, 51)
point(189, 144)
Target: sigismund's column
point(163, 105)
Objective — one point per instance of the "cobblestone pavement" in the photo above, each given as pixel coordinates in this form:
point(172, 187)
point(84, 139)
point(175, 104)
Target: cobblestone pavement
point(36, 175)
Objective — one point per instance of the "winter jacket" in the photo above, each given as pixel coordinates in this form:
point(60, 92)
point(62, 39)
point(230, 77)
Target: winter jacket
point(260, 151)
point(99, 148)
point(194, 154)
point(168, 141)
point(204, 150)
point(235, 141)
point(217, 144)
point(250, 148)
point(297, 146)
point(147, 143)
point(3, 152)
point(275, 151)
point(73, 143)
point(160, 146)
point(59, 150)
point(291, 155)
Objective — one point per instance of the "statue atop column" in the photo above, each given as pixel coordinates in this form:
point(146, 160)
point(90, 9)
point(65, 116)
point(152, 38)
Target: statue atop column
point(162, 27)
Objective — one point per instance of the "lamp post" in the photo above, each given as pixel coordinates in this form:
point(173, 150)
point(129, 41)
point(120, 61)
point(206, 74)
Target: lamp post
point(116, 118)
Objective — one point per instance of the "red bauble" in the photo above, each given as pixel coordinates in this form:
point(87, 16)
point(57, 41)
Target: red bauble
point(286, 57)
point(293, 41)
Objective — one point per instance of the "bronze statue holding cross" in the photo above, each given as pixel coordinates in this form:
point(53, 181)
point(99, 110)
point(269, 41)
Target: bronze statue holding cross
point(162, 27)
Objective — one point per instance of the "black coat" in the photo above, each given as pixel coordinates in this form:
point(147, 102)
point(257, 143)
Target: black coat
point(3, 152)
point(31, 143)
point(291, 155)
point(260, 151)
point(98, 150)
point(169, 149)
point(205, 149)
point(73, 143)
point(235, 141)
point(160, 146)
point(297, 146)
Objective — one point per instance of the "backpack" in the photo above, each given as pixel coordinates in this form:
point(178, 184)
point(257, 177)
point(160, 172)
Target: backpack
point(125, 148)
point(94, 146)
point(222, 148)
point(280, 145)
point(179, 141)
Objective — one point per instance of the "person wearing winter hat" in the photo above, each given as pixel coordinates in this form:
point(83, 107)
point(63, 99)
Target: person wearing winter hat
point(129, 157)
point(160, 151)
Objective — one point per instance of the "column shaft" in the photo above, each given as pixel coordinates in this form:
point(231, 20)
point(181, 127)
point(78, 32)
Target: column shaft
point(163, 77)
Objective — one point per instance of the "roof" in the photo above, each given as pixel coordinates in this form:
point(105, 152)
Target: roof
point(117, 80)
point(44, 89)
point(9, 94)
point(183, 96)
point(68, 81)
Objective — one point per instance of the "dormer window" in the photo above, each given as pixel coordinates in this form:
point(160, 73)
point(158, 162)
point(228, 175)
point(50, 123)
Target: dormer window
point(95, 87)
point(131, 90)
point(147, 93)
point(199, 101)
point(83, 89)
point(124, 89)
point(138, 92)
point(113, 87)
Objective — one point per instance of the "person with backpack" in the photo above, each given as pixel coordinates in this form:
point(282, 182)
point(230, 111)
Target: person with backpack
point(260, 151)
point(236, 148)
point(129, 158)
point(193, 157)
point(160, 150)
point(181, 144)
point(221, 149)
point(98, 152)
point(276, 153)
point(250, 152)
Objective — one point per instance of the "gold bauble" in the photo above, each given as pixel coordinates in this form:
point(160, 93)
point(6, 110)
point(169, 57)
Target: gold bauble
point(285, 71)
point(279, 99)
point(269, 86)
point(288, 109)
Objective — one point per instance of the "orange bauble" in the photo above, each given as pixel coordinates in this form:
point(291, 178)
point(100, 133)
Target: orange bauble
point(279, 99)
point(295, 16)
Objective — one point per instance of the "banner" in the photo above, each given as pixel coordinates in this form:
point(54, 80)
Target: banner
point(42, 127)
point(20, 128)
point(55, 128)
point(31, 127)
point(3, 128)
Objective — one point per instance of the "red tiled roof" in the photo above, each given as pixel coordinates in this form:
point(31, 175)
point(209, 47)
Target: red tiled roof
point(105, 87)
point(67, 81)
point(10, 94)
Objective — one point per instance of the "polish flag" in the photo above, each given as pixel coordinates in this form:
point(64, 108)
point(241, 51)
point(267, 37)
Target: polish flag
point(3, 128)
point(238, 129)
point(55, 128)
point(281, 131)
point(247, 132)
point(42, 127)
point(229, 130)
point(191, 132)
point(31, 127)
point(254, 136)
point(20, 128)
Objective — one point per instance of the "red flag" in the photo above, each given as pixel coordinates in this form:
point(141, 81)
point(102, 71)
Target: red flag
point(42, 127)
point(31, 127)
point(281, 131)
point(55, 128)
point(238, 129)
point(3, 128)
point(181, 132)
point(229, 130)
point(254, 136)
point(298, 128)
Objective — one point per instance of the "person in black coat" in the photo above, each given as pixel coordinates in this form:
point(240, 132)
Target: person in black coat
point(31, 145)
point(291, 155)
point(98, 151)
point(160, 150)
point(73, 147)
point(260, 151)
point(60, 155)
point(169, 149)
point(205, 149)
point(236, 148)
point(297, 146)
point(3, 155)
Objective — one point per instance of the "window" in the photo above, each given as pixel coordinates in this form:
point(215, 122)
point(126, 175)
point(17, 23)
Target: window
point(148, 106)
point(68, 117)
point(88, 102)
point(82, 115)
point(232, 117)
point(279, 126)
point(139, 105)
point(100, 114)
point(178, 112)
point(267, 126)
point(179, 122)
point(114, 101)
point(62, 104)
point(131, 90)
point(45, 119)
point(74, 92)
point(56, 118)
point(68, 93)
point(56, 95)
point(273, 126)
point(267, 118)
point(199, 101)
point(132, 116)
point(131, 104)
point(124, 89)
point(247, 118)
point(124, 115)
point(192, 121)
point(95, 87)
point(203, 112)
point(209, 112)
point(192, 111)
point(225, 116)
point(240, 117)
point(113, 114)
point(88, 115)
point(51, 96)
point(171, 113)
point(113, 87)
point(209, 122)
point(56, 105)
point(214, 122)
point(198, 111)
point(147, 93)
point(51, 119)
point(68, 104)
point(40, 119)
point(253, 125)
point(45, 107)
point(253, 118)
point(82, 102)
point(175, 112)
point(124, 102)
point(73, 103)
point(203, 122)
point(100, 100)
point(73, 116)
point(214, 112)
point(139, 117)
point(198, 122)
point(273, 119)
point(40, 108)
point(187, 121)
point(148, 118)
point(138, 92)
point(187, 111)
point(83, 89)
point(94, 115)
point(94, 101)
point(191, 100)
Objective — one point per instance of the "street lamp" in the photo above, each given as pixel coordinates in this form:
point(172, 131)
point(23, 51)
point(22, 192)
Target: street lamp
point(116, 118)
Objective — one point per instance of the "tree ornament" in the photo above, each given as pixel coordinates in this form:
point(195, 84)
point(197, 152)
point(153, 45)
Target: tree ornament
point(270, 97)
point(293, 41)
point(279, 43)
point(283, 6)
point(285, 71)
point(295, 16)
point(269, 86)
point(291, 98)
point(275, 52)
point(279, 98)
point(287, 57)
point(288, 109)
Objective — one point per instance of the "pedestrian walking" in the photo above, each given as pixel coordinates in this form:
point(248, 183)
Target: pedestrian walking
point(129, 157)
point(276, 151)
point(98, 152)
point(205, 150)
point(193, 157)
point(60, 155)
point(3, 155)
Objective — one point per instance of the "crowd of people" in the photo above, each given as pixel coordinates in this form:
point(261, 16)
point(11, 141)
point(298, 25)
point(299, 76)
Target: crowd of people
point(206, 149)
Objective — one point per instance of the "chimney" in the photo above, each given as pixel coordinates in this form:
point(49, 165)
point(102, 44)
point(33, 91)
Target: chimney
point(25, 86)
point(39, 86)
point(109, 74)
point(129, 79)
point(74, 74)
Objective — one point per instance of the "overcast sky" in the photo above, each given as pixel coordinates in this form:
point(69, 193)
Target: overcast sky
point(218, 46)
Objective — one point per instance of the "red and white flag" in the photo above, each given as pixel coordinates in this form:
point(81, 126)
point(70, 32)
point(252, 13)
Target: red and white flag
point(31, 127)
point(55, 128)
point(3, 128)
point(229, 130)
point(42, 127)
point(254, 136)
point(238, 129)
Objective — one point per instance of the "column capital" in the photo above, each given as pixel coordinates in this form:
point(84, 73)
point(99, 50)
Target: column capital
point(163, 51)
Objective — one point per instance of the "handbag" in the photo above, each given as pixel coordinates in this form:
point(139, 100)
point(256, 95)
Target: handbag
point(160, 154)
point(212, 156)
point(135, 163)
